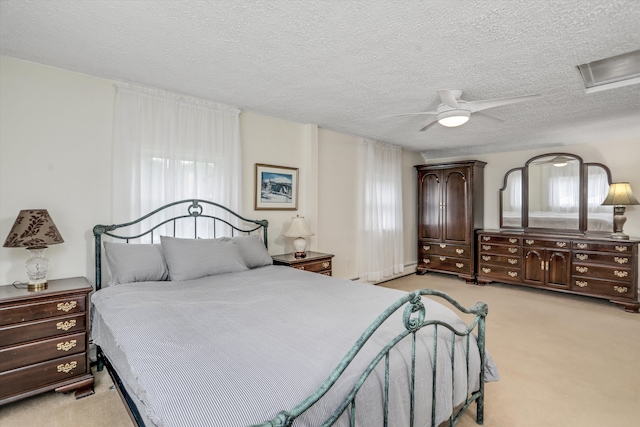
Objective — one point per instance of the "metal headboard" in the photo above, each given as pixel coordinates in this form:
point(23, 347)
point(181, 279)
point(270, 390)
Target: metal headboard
point(195, 210)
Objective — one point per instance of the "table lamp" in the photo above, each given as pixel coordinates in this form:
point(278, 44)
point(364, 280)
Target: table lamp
point(620, 195)
point(299, 230)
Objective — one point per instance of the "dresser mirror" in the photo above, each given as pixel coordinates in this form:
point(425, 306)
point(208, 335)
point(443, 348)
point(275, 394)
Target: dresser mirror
point(556, 192)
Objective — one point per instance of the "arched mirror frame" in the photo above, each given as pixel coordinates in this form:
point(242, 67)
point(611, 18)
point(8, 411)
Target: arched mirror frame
point(583, 197)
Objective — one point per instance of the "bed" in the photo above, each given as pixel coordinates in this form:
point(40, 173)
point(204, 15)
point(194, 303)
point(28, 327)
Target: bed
point(207, 332)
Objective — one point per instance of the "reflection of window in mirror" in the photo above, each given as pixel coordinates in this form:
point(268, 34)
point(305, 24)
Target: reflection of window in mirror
point(599, 218)
point(554, 193)
point(512, 200)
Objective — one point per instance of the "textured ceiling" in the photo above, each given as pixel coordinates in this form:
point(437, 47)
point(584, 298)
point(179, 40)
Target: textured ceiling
point(343, 64)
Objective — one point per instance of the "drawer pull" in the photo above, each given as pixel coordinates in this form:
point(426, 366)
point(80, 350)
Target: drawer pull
point(512, 273)
point(582, 245)
point(620, 273)
point(326, 264)
point(486, 238)
point(426, 260)
point(459, 251)
point(66, 346)
point(67, 367)
point(512, 261)
point(65, 326)
point(561, 244)
point(486, 258)
point(582, 283)
point(513, 240)
point(459, 264)
point(486, 270)
point(326, 273)
point(67, 306)
point(620, 289)
point(513, 250)
point(301, 267)
point(621, 260)
point(486, 247)
point(581, 269)
point(530, 242)
point(621, 248)
point(442, 245)
point(582, 257)
point(426, 248)
point(442, 258)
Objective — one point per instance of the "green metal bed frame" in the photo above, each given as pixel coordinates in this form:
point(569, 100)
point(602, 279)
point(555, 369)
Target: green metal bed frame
point(413, 319)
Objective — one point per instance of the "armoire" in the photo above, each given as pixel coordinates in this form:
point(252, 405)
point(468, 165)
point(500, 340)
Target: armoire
point(450, 209)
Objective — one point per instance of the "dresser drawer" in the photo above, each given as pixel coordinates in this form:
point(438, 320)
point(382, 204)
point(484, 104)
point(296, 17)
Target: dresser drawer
point(315, 267)
point(618, 248)
point(486, 248)
point(42, 310)
point(39, 329)
point(601, 258)
point(498, 273)
point(42, 374)
point(501, 240)
point(603, 272)
point(35, 352)
point(601, 287)
point(439, 262)
point(444, 249)
point(543, 243)
point(507, 261)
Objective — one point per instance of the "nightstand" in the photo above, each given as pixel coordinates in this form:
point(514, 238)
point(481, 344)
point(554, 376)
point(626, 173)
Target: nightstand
point(44, 340)
point(316, 262)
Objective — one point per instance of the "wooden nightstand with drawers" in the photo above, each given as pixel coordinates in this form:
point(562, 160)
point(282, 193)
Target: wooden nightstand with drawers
point(44, 340)
point(316, 262)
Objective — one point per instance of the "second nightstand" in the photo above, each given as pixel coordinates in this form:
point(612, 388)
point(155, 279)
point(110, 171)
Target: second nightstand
point(316, 262)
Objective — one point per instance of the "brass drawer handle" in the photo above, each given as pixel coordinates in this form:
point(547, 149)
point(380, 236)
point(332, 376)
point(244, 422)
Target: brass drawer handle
point(326, 264)
point(513, 250)
point(486, 238)
point(486, 270)
point(620, 273)
point(426, 248)
point(67, 306)
point(530, 242)
point(621, 248)
point(561, 244)
point(621, 260)
point(513, 273)
point(582, 283)
point(65, 326)
point(513, 240)
point(67, 367)
point(66, 346)
point(581, 269)
point(301, 267)
point(326, 273)
point(582, 257)
point(442, 258)
point(620, 289)
point(442, 245)
point(459, 264)
point(486, 247)
point(459, 251)
point(581, 245)
point(486, 257)
point(512, 260)
point(426, 260)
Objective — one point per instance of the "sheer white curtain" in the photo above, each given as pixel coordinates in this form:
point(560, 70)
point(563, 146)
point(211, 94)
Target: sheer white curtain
point(380, 244)
point(169, 147)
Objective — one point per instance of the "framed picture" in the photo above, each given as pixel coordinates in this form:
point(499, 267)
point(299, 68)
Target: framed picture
point(276, 188)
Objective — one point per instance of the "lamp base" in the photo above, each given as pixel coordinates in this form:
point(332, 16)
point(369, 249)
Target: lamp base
point(620, 236)
point(299, 255)
point(36, 287)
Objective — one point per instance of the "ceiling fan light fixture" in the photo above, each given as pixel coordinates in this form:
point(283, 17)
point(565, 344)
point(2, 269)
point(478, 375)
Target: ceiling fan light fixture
point(453, 118)
point(560, 161)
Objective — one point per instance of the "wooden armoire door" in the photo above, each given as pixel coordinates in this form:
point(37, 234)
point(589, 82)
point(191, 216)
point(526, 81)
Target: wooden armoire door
point(430, 222)
point(455, 206)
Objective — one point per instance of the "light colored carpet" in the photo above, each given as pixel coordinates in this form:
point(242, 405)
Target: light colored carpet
point(564, 361)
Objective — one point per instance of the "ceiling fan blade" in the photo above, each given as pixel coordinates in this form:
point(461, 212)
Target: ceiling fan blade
point(497, 119)
point(428, 126)
point(491, 103)
point(447, 97)
point(423, 113)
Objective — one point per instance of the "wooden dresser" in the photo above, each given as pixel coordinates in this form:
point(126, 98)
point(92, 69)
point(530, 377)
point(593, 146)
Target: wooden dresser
point(315, 262)
point(44, 340)
point(600, 267)
point(450, 208)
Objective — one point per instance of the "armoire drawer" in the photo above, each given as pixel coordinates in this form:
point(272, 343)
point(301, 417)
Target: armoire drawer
point(444, 249)
point(439, 262)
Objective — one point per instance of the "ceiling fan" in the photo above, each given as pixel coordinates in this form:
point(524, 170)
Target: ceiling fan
point(454, 111)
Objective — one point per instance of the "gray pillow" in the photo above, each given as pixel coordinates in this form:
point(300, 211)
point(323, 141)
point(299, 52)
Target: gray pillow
point(253, 251)
point(130, 262)
point(193, 258)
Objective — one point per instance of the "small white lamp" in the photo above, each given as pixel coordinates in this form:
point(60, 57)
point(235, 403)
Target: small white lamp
point(619, 197)
point(299, 230)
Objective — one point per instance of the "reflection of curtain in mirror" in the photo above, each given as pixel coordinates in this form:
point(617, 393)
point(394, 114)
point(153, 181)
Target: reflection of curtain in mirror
point(515, 192)
point(598, 187)
point(564, 187)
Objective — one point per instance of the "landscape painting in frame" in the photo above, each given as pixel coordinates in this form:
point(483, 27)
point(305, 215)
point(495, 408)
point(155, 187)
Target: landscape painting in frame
point(276, 187)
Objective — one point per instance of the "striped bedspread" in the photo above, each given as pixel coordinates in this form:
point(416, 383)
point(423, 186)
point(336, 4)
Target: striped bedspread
point(236, 349)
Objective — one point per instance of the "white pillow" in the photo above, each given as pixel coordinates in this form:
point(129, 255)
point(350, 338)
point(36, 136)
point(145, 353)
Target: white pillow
point(131, 262)
point(194, 258)
point(253, 251)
